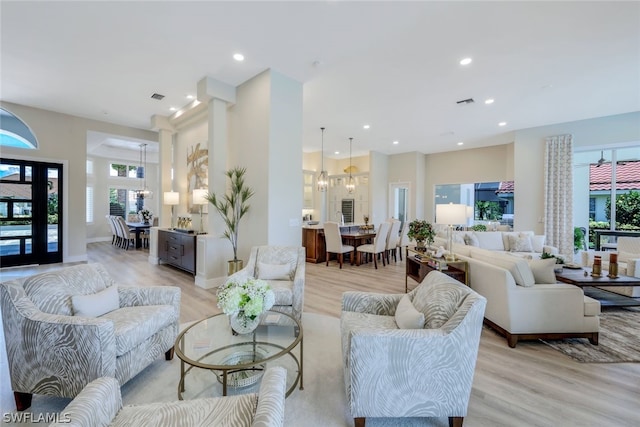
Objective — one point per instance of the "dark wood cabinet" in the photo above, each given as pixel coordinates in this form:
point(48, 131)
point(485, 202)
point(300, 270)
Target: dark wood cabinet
point(417, 267)
point(177, 249)
point(313, 241)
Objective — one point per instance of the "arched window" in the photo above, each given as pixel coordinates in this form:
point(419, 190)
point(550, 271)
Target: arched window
point(14, 132)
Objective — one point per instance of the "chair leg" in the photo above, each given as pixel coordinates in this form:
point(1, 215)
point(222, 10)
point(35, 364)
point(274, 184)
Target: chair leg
point(375, 261)
point(23, 400)
point(400, 253)
point(168, 355)
point(359, 422)
point(455, 421)
point(327, 258)
point(340, 260)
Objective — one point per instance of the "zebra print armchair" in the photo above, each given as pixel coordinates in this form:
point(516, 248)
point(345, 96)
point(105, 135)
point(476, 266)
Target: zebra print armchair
point(100, 404)
point(54, 349)
point(425, 371)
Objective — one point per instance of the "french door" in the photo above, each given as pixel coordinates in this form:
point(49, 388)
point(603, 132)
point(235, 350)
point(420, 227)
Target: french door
point(30, 212)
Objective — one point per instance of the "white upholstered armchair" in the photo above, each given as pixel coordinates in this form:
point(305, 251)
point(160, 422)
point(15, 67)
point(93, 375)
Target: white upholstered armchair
point(422, 368)
point(100, 404)
point(283, 267)
point(65, 328)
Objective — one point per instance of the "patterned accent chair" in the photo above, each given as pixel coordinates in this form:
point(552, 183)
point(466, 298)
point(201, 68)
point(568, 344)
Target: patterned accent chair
point(100, 404)
point(283, 267)
point(55, 349)
point(423, 370)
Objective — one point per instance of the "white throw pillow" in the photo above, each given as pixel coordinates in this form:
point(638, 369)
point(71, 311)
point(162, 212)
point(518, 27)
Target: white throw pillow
point(520, 243)
point(537, 243)
point(95, 305)
point(491, 240)
point(274, 271)
point(518, 267)
point(543, 270)
point(407, 317)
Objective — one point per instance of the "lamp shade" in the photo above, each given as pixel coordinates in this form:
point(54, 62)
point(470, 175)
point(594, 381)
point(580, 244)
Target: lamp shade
point(171, 198)
point(451, 214)
point(200, 196)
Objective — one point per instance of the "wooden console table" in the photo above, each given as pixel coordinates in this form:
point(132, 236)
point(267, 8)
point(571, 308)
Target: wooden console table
point(418, 265)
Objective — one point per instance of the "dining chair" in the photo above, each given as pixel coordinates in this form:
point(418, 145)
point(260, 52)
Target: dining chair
point(403, 242)
point(333, 243)
point(114, 234)
point(127, 236)
point(392, 240)
point(378, 246)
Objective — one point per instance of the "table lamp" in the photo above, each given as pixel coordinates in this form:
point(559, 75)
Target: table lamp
point(200, 198)
point(171, 198)
point(451, 214)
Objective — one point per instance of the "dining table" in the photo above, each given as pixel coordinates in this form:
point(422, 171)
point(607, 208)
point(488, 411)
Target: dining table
point(138, 228)
point(357, 238)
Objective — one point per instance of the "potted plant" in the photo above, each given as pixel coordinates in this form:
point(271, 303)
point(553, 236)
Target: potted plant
point(421, 231)
point(232, 206)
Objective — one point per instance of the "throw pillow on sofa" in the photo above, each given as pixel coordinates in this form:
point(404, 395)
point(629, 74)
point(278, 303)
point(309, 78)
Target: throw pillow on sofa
point(537, 242)
point(407, 317)
point(518, 267)
point(543, 270)
point(95, 305)
point(491, 240)
point(521, 243)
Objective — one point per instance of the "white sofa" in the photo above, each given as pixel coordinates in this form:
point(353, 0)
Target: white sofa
point(522, 243)
point(524, 301)
point(628, 251)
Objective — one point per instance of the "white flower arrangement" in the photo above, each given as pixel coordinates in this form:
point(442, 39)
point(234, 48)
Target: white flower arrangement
point(145, 214)
point(251, 296)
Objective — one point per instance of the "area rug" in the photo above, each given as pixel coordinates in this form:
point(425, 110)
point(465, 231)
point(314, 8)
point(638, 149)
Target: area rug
point(619, 339)
point(322, 402)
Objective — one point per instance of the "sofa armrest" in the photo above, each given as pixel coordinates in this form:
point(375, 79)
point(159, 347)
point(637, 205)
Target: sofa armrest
point(270, 410)
point(298, 285)
point(550, 249)
point(633, 267)
point(372, 303)
point(132, 296)
point(96, 405)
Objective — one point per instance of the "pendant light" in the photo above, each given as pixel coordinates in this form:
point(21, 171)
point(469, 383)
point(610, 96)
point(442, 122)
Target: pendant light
point(351, 184)
point(141, 172)
point(323, 179)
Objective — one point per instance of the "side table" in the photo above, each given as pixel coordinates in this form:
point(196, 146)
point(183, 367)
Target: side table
point(419, 264)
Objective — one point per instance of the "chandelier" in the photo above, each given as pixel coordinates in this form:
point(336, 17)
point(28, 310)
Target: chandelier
point(351, 184)
point(141, 173)
point(323, 179)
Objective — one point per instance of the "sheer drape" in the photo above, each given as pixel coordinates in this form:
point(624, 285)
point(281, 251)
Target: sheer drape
point(558, 190)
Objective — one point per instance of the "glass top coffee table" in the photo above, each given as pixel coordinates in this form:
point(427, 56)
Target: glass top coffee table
point(215, 361)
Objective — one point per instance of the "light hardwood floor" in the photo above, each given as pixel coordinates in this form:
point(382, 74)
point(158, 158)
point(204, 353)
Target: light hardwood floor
point(531, 385)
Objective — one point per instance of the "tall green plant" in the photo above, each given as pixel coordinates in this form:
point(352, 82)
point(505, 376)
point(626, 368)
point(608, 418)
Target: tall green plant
point(233, 205)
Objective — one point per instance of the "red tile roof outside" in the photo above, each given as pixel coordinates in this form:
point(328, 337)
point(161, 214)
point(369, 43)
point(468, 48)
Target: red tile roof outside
point(505, 187)
point(627, 176)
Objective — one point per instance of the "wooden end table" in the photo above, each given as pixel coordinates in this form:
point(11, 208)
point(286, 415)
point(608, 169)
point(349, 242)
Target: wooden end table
point(419, 264)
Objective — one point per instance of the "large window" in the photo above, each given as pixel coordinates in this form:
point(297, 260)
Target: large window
point(125, 170)
point(614, 190)
point(492, 202)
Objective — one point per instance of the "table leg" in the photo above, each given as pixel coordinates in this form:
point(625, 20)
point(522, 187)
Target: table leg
point(301, 363)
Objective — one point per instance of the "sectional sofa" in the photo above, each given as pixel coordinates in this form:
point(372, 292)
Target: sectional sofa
point(524, 301)
point(523, 243)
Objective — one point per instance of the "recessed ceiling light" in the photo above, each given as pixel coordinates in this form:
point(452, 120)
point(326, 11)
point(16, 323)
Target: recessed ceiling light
point(336, 152)
point(465, 61)
point(238, 57)
point(502, 124)
point(172, 109)
point(489, 101)
point(460, 143)
point(396, 142)
point(366, 127)
point(190, 96)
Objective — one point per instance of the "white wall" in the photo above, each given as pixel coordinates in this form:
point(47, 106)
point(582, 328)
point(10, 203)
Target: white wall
point(63, 138)
point(378, 187)
point(409, 167)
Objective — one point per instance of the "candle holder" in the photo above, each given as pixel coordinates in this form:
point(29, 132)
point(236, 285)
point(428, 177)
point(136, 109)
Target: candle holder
point(613, 270)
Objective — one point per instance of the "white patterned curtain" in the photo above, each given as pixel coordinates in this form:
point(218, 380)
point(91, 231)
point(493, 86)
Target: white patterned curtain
point(558, 190)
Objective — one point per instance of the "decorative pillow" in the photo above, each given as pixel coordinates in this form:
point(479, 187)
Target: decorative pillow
point(471, 240)
point(537, 243)
point(517, 266)
point(491, 240)
point(543, 270)
point(95, 305)
point(274, 271)
point(458, 238)
point(520, 243)
point(407, 317)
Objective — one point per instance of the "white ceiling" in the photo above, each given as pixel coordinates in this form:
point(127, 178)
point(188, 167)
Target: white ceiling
point(393, 65)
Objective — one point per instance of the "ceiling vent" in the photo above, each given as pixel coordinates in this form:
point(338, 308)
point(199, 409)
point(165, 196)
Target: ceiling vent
point(466, 101)
point(157, 96)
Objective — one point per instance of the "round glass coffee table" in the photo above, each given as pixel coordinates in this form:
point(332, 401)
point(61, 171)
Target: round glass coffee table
point(215, 361)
